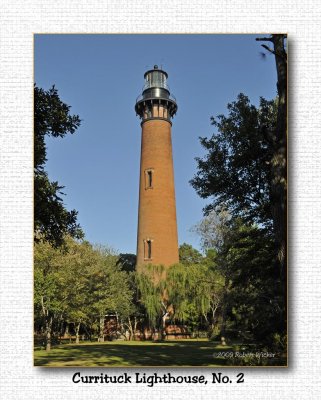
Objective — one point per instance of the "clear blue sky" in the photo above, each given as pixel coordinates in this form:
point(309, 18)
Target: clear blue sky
point(100, 76)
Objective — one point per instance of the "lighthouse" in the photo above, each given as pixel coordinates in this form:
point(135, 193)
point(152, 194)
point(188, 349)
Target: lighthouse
point(157, 241)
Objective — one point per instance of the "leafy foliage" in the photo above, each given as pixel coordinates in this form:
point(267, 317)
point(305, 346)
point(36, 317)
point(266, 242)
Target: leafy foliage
point(78, 284)
point(151, 288)
point(127, 262)
point(255, 297)
point(51, 219)
point(235, 171)
point(243, 174)
point(185, 294)
point(252, 302)
point(188, 255)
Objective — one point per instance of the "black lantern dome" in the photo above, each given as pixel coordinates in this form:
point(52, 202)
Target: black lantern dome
point(156, 101)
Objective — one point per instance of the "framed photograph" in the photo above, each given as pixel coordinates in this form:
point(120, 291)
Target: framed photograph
point(160, 200)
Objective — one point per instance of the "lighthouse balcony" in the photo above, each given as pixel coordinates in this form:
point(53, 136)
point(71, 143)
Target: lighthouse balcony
point(151, 96)
point(156, 107)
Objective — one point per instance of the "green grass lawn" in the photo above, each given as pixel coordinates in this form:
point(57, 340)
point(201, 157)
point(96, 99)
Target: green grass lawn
point(179, 353)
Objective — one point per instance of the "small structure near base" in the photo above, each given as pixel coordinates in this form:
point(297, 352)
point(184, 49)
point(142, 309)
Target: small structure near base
point(110, 326)
point(174, 332)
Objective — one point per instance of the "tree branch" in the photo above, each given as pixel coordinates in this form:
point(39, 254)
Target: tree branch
point(268, 48)
point(271, 39)
point(264, 39)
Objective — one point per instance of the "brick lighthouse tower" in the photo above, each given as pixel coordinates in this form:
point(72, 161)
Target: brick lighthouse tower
point(157, 241)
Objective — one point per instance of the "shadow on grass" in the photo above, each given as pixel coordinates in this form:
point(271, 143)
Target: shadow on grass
point(169, 353)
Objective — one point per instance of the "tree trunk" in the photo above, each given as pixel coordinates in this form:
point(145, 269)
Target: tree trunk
point(163, 327)
point(280, 153)
point(77, 333)
point(47, 323)
point(101, 329)
point(224, 307)
point(61, 328)
point(88, 332)
point(212, 325)
point(130, 327)
point(278, 161)
point(48, 333)
point(66, 333)
point(135, 328)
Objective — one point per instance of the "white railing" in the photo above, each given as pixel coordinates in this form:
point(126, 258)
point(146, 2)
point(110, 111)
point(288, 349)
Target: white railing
point(141, 97)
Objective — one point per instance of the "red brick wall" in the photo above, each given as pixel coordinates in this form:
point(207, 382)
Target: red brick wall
point(157, 210)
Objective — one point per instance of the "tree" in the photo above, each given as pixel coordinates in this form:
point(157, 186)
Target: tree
point(151, 288)
point(188, 255)
point(253, 301)
point(244, 172)
point(248, 156)
point(235, 171)
point(77, 261)
point(279, 146)
point(136, 313)
point(194, 291)
point(127, 262)
point(48, 297)
point(61, 285)
point(255, 295)
point(214, 231)
point(109, 288)
point(51, 219)
point(78, 284)
point(207, 291)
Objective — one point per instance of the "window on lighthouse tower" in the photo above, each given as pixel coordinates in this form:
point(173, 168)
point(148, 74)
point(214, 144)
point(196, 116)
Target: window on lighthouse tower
point(149, 178)
point(148, 249)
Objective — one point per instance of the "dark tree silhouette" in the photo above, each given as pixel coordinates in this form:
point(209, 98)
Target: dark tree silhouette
point(51, 219)
point(279, 146)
